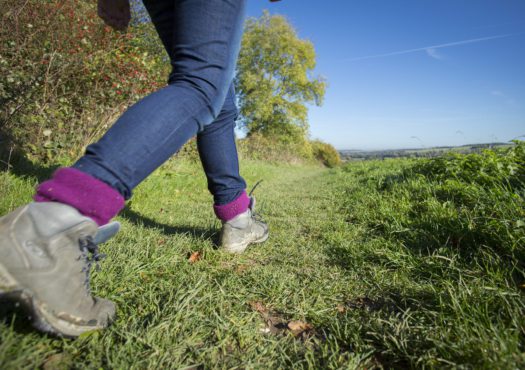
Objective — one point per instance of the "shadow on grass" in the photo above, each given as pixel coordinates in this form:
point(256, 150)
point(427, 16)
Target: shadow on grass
point(20, 166)
point(12, 315)
point(140, 220)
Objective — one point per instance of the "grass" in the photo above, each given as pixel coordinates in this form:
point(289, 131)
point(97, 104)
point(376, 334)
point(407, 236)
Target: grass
point(388, 264)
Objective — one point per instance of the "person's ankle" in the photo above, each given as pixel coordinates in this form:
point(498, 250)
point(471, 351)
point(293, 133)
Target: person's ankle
point(91, 197)
point(229, 211)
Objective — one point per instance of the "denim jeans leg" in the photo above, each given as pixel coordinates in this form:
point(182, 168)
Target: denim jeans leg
point(218, 154)
point(203, 40)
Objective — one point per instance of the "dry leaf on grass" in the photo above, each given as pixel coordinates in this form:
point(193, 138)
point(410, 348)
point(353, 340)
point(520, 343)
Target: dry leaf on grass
point(194, 257)
point(241, 268)
point(297, 327)
point(258, 306)
point(58, 361)
point(276, 324)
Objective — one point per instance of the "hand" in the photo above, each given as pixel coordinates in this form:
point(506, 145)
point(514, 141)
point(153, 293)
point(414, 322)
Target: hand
point(115, 13)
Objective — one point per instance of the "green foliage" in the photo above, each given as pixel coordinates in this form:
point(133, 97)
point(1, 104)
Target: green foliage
point(461, 218)
point(277, 149)
point(487, 169)
point(274, 86)
point(325, 153)
point(65, 77)
point(471, 203)
point(273, 81)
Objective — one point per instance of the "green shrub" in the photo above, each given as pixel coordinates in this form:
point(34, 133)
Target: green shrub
point(325, 153)
point(277, 148)
point(65, 77)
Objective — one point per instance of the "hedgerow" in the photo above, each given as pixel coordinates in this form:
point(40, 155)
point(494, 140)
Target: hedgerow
point(65, 76)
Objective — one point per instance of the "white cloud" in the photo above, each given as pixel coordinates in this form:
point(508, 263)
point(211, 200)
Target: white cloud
point(508, 100)
point(433, 53)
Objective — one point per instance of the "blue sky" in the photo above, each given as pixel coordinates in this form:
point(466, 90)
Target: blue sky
point(414, 73)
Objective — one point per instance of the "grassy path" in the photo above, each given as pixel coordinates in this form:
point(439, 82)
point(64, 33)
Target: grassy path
point(222, 311)
point(323, 292)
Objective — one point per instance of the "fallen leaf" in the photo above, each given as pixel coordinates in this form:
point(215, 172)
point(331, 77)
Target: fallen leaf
point(195, 256)
point(241, 268)
point(298, 326)
point(340, 308)
point(57, 361)
point(258, 306)
point(274, 323)
point(365, 303)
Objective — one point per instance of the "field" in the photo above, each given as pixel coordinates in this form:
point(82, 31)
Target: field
point(378, 264)
point(428, 152)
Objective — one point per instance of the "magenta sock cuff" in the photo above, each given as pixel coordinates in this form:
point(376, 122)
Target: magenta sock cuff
point(230, 210)
point(90, 196)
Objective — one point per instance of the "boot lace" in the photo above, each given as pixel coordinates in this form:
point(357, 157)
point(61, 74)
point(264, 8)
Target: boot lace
point(90, 254)
point(255, 215)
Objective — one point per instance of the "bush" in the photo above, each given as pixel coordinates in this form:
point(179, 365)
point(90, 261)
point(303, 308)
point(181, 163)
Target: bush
point(325, 153)
point(65, 77)
point(275, 148)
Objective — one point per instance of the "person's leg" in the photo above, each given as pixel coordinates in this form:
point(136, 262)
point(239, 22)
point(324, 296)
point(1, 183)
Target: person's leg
point(216, 142)
point(218, 154)
point(46, 248)
point(203, 45)
point(205, 42)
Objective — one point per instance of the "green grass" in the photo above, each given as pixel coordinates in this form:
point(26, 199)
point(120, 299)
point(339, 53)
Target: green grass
point(393, 264)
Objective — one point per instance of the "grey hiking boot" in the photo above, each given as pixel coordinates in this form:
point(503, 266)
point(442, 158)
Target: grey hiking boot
point(243, 230)
point(46, 253)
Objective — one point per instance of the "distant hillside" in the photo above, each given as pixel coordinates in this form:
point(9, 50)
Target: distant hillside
point(422, 152)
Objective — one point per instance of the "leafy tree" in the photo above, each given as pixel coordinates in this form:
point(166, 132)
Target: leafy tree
point(274, 81)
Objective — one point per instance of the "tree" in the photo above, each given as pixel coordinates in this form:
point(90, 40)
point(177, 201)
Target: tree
point(274, 81)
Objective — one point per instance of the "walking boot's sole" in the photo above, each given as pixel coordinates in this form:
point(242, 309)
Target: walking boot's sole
point(41, 317)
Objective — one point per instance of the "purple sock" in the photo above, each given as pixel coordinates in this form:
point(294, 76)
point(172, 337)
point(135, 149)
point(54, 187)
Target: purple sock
point(90, 196)
point(228, 211)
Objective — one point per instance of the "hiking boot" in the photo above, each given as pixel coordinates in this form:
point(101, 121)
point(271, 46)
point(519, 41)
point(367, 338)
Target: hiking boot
point(243, 230)
point(46, 253)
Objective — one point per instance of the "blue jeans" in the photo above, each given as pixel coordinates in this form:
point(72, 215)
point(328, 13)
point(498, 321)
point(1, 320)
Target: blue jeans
point(202, 38)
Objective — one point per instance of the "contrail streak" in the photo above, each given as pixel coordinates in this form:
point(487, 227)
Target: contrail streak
point(457, 43)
